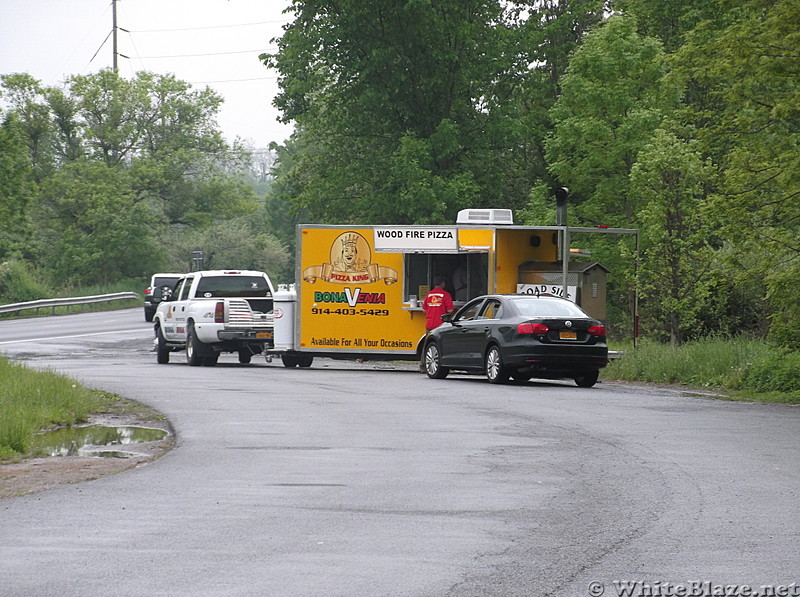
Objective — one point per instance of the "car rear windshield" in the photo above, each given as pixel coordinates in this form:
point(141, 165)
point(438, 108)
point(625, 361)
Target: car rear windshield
point(159, 281)
point(538, 307)
point(232, 286)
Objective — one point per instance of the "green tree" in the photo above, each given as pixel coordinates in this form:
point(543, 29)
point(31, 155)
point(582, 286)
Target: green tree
point(126, 167)
point(239, 243)
point(16, 189)
point(148, 116)
point(669, 181)
point(68, 139)
point(613, 98)
point(545, 35)
point(26, 100)
point(671, 20)
point(91, 228)
point(373, 84)
point(749, 69)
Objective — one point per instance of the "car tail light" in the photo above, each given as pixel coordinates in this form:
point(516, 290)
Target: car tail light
point(148, 291)
point(219, 312)
point(532, 328)
point(597, 330)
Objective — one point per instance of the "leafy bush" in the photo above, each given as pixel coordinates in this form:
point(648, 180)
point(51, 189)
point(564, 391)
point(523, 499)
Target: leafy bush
point(732, 363)
point(19, 282)
point(775, 374)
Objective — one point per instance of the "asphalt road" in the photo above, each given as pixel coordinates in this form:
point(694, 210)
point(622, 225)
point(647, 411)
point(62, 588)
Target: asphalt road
point(351, 479)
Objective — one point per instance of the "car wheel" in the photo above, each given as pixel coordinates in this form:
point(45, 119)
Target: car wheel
point(148, 315)
point(245, 356)
point(195, 350)
point(588, 379)
point(495, 370)
point(433, 362)
point(162, 352)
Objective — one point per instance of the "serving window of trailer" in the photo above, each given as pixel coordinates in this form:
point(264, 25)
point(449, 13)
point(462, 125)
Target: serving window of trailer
point(465, 274)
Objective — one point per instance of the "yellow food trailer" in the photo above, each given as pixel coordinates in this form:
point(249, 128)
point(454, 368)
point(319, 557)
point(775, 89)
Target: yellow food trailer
point(358, 290)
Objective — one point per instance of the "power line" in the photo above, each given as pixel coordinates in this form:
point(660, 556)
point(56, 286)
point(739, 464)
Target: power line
point(205, 54)
point(233, 80)
point(207, 27)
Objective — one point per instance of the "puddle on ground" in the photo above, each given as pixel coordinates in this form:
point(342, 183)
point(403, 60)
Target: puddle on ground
point(94, 440)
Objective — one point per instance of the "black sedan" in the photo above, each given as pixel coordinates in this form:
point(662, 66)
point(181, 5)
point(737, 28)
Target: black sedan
point(519, 336)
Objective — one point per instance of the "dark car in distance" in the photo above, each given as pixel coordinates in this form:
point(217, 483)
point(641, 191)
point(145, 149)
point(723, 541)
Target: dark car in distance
point(160, 284)
point(518, 336)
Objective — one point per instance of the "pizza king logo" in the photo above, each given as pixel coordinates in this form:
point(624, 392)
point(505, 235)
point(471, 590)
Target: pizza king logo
point(350, 262)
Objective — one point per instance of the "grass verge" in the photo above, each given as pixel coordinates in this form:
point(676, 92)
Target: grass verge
point(31, 401)
point(747, 369)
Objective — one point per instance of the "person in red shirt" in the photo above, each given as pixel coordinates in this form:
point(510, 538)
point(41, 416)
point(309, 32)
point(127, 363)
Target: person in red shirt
point(437, 302)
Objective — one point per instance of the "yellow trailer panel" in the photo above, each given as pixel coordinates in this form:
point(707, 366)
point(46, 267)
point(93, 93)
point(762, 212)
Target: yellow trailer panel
point(350, 297)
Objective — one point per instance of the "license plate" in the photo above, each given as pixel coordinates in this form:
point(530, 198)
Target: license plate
point(264, 335)
point(568, 335)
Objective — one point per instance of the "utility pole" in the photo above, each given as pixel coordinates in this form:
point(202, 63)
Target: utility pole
point(114, 32)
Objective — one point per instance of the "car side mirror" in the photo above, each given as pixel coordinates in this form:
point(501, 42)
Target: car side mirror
point(447, 318)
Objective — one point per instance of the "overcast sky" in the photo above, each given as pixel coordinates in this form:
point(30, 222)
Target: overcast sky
point(203, 42)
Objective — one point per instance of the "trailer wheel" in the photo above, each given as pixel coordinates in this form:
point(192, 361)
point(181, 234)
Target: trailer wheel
point(289, 360)
point(305, 360)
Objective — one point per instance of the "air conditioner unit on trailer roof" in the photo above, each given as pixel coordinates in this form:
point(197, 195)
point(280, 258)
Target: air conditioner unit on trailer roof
point(485, 216)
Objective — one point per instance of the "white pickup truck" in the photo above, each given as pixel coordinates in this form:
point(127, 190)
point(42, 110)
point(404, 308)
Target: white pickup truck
point(214, 311)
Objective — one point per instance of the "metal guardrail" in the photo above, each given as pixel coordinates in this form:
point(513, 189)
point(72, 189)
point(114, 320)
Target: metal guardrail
point(66, 302)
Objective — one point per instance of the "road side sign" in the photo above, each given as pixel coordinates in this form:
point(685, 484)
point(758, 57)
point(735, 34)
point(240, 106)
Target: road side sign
point(540, 289)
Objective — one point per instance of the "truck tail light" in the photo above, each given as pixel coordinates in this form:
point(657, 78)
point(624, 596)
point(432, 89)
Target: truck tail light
point(532, 328)
point(597, 330)
point(219, 312)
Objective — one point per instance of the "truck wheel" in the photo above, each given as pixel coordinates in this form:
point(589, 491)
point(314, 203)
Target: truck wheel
point(162, 352)
point(211, 360)
point(305, 360)
point(195, 350)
